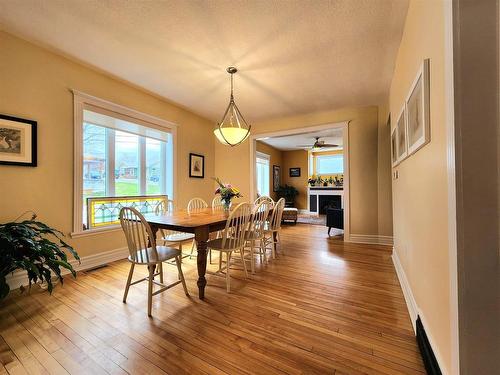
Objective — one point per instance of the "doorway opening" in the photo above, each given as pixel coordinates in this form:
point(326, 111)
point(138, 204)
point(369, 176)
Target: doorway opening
point(309, 167)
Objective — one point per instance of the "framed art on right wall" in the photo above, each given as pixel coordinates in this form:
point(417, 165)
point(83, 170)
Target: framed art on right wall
point(401, 138)
point(394, 147)
point(417, 111)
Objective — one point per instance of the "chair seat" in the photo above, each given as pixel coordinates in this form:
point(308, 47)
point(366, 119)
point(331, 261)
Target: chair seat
point(164, 253)
point(178, 237)
point(252, 235)
point(216, 244)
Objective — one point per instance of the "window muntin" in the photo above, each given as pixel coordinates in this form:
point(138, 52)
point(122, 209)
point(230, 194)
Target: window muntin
point(329, 164)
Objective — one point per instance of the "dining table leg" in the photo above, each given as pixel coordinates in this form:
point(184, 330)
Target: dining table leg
point(201, 237)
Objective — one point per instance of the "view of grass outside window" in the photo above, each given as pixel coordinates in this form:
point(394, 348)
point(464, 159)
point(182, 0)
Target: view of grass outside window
point(118, 163)
point(126, 164)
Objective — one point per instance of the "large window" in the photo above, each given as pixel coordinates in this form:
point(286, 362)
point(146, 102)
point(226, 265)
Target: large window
point(121, 159)
point(262, 168)
point(329, 164)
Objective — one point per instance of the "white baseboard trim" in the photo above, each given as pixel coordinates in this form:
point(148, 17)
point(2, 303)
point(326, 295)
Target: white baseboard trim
point(414, 310)
point(20, 277)
point(371, 239)
point(403, 281)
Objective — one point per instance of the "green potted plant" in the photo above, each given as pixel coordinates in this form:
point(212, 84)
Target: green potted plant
point(289, 193)
point(312, 180)
point(35, 247)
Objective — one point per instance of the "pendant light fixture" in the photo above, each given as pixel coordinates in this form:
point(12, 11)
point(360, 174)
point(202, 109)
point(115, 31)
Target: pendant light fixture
point(232, 129)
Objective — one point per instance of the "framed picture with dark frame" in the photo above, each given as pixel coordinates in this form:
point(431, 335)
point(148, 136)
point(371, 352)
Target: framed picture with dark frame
point(196, 165)
point(276, 177)
point(17, 141)
point(295, 172)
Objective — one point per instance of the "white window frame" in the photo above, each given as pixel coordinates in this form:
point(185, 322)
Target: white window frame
point(327, 156)
point(267, 157)
point(80, 101)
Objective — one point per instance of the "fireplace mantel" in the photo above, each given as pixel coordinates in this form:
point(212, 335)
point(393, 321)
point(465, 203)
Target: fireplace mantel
point(316, 191)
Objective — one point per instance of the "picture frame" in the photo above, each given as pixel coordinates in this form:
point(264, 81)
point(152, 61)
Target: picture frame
point(394, 147)
point(418, 111)
point(401, 138)
point(18, 141)
point(295, 172)
point(196, 165)
point(276, 177)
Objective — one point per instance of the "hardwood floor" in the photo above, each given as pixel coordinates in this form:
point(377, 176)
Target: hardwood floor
point(323, 308)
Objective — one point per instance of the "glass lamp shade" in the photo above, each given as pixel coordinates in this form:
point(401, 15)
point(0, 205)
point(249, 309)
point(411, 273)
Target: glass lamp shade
point(231, 136)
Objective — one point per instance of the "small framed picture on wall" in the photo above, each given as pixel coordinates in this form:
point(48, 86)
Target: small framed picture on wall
point(17, 141)
point(402, 149)
point(196, 165)
point(394, 147)
point(276, 177)
point(295, 172)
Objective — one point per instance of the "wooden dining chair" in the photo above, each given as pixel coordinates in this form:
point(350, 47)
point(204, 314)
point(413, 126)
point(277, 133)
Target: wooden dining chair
point(144, 251)
point(196, 204)
point(264, 198)
point(173, 237)
point(232, 239)
point(254, 236)
point(272, 230)
point(217, 203)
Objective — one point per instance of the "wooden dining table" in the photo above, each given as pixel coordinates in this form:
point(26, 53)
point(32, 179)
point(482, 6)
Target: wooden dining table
point(201, 222)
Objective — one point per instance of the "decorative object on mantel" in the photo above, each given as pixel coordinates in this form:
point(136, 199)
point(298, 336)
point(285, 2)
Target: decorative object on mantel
point(27, 245)
point(276, 177)
point(312, 180)
point(17, 141)
point(417, 109)
point(196, 165)
point(232, 129)
point(295, 172)
point(227, 193)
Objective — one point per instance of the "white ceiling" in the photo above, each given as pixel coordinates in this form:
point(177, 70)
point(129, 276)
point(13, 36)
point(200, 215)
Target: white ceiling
point(294, 56)
point(293, 142)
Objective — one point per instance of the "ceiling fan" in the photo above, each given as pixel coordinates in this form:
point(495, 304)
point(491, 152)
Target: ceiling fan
point(318, 144)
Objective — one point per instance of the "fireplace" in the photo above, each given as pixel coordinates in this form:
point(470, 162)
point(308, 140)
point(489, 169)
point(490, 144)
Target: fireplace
point(328, 201)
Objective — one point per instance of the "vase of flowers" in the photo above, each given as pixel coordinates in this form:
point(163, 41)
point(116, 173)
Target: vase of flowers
point(227, 193)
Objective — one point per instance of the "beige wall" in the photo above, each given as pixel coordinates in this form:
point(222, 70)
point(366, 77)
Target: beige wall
point(384, 175)
point(420, 193)
point(292, 159)
point(276, 158)
point(233, 164)
point(35, 84)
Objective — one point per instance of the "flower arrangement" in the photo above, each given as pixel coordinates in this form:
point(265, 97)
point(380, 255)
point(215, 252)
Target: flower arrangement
point(227, 192)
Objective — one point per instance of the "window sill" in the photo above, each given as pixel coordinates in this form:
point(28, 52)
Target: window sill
point(92, 232)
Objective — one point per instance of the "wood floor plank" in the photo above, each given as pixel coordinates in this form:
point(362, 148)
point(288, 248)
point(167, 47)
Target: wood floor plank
point(323, 307)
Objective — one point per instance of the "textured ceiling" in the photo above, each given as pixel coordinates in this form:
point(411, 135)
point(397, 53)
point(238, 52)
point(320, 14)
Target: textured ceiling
point(294, 56)
point(293, 142)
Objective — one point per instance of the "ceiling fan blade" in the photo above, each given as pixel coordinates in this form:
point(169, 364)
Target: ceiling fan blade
point(304, 146)
point(328, 145)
